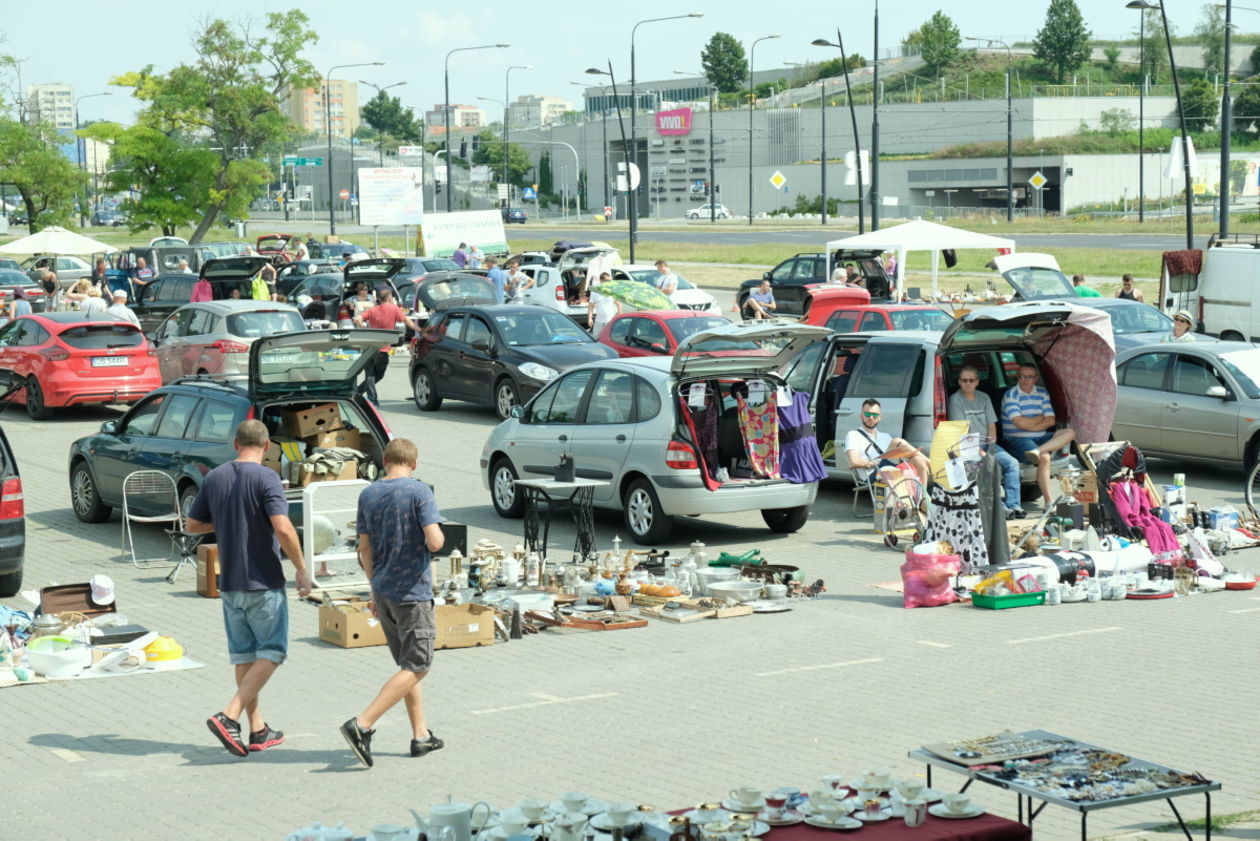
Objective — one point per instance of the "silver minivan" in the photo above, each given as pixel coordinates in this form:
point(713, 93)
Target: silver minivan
point(631, 422)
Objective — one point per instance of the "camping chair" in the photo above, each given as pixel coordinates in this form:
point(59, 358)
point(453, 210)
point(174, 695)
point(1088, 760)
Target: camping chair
point(871, 484)
point(151, 491)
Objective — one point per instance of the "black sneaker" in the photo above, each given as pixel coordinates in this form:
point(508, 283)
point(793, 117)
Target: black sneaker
point(420, 747)
point(359, 740)
point(228, 732)
point(268, 737)
point(1016, 514)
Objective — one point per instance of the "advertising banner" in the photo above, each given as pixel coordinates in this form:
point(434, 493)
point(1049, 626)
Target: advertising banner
point(443, 232)
point(391, 195)
point(676, 121)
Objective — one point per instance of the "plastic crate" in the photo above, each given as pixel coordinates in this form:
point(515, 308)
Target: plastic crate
point(1012, 600)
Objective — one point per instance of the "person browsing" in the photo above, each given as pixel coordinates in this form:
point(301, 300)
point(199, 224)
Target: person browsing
point(386, 315)
point(498, 277)
point(600, 309)
point(119, 309)
point(665, 280)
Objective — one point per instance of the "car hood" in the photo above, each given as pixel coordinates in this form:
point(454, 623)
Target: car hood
point(313, 362)
point(775, 341)
point(1036, 277)
point(563, 356)
point(693, 297)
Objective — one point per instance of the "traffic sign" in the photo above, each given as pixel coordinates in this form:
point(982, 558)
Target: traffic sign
point(1038, 180)
point(778, 180)
point(344, 194)
point(294, 160)
point(529, 194)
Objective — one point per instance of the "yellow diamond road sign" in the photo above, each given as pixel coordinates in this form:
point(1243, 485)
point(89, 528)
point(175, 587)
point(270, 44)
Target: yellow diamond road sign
point(1038, 180)
point(778, 180)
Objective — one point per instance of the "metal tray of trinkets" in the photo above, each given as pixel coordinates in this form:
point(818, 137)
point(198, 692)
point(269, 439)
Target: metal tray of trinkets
point(999, 747)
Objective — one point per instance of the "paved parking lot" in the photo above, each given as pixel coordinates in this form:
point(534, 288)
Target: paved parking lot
point(667, 715)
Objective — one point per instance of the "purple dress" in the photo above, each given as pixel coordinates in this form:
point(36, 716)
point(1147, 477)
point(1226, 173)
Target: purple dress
point(799, 459)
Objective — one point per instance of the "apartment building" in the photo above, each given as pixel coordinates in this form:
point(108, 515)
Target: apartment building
point(306, 107)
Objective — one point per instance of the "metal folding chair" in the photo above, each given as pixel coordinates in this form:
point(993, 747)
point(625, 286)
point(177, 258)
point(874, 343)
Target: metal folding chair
point(866, 482)
point(150, 496)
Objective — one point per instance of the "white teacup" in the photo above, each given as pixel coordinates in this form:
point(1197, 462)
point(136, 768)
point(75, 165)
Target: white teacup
point(865, 791)
point(574, 801)
point(747, 795)
point(882, 778)
point(512, 821)
point(910, 789)
point(532, 808)
point(703, 816)
point(388, 832)
point(957, 803)
point(619, 813)
point(835, 782)
point(821, 795)
point(830, 810)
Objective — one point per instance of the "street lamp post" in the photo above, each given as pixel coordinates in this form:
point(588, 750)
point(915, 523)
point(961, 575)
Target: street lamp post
point(625, 151)
point(332, 207)
point(752, 99)
point(632, 198)
point(1227, 122)
point(875, 126)
point(446, 110)
point(507, 98)
point(1141, 6)
point(603, 130)
point(380, 139)
point(1010, 184)
point(857, 142)
point(80, 151)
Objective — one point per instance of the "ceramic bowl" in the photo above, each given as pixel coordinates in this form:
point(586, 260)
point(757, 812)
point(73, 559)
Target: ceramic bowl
point(711, 575)
point(741, 591)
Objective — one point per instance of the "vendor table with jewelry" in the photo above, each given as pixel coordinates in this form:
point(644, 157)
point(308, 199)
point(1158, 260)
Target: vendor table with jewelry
point(984, 827)
point(1039, 765)
point(541, 495)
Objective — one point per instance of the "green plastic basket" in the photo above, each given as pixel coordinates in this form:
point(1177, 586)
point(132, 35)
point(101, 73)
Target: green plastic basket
point(1003, 602)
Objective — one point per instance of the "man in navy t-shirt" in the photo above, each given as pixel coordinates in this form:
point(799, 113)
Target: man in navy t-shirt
point(243, 503)
point(398, 526)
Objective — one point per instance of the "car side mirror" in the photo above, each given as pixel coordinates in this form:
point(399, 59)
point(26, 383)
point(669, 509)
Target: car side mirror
point(765, 275)
point(1217, 391)
point(657, 347)
point(482, 345)
point(152, 337)
point(109, 427)
point(518, 412)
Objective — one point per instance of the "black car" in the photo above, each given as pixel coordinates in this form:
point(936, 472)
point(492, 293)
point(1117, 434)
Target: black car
point(497, 355)
point(339, 285)
point(442, 290)
point(160, 297)
point(186, 428)
point(289, 275)
point(512, 214)
point(789, 281)
point(12, 509)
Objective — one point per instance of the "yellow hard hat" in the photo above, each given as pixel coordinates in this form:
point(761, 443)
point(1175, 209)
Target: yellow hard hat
point(163, 648)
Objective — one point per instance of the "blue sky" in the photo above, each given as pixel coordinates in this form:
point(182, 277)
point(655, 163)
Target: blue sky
point(86, 42)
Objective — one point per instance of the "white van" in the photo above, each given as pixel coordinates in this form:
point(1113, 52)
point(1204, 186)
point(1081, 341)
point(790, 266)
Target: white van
point(1224, 297)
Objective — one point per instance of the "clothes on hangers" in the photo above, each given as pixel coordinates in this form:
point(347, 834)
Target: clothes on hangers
point(800, 461)
point(759, 425)
point(706, 421)
point(955, 517)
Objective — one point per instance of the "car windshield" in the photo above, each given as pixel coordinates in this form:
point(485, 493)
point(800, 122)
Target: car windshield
point(650, 276)
point(1245, 366)
point(298, 364)
point(539, 328)
point(272, 243)
point(328, 285)
point(251, 325)
point(931, 319)
point(440, 264)
point(102, 336)
point(12, 278)
point(1032, 282)
point(1137, 319)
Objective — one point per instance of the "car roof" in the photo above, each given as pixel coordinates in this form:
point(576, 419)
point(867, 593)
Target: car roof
point(503, 309)
point(1211, 348)
point(666, 315)
point(229, 306)
point(67, 318)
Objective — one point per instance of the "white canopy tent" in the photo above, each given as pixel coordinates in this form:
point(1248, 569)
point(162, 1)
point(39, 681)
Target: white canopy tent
point(56, 240)
point(918, 236)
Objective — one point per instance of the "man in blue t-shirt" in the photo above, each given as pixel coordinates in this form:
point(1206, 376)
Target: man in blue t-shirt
point(1028, 426)
point(398, 526)
point(243, 503)
point(498, 277)
point(760, 303)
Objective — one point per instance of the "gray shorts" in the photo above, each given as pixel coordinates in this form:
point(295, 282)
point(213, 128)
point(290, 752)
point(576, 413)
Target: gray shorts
point(410, 631)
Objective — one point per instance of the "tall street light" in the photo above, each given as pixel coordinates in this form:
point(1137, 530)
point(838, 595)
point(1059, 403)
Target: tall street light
point(507, 98)
point(603, 129)
point(752, 98)
point(446, 110)
point(332, 207)
point(1141, 6)
point(1227, 120)
point(712, 107)
point(80, 150)
point(1181, 113)
point(857, 142)
point(380, 140)
point(1010, 184)
point(633, 205)
point(625, 150)
point(875, 126)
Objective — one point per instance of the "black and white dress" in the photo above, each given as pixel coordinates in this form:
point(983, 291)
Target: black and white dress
point(955, 517)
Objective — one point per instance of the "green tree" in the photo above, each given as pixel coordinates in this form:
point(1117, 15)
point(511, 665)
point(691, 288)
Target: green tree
point(1155, 54)
point(835, 67)
point(724, 62)
point(1116, 121)
point(1211, 32)
point(912, 44)
point(1254, 58)
point(387, 116)
point(1112, 54)
point(490, 153)
point(545, 179)
point(45, 179)
point(1063, 41)
point(1199, 101)
point(1246, 104)
point(230, 94)
point(939, 40)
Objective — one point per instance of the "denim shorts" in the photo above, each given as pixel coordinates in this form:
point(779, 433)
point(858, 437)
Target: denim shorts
point(257, 624)
point(1019, 446)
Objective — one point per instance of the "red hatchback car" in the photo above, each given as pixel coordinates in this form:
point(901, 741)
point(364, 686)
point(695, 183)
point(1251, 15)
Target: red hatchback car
point(67, 358)
point(848, 310)
point(654, 332)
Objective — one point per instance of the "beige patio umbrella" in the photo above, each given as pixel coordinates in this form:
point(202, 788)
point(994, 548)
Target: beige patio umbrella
point(56, 240)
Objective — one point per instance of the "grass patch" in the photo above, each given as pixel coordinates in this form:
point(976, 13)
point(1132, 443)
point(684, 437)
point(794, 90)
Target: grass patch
point(1219, 822)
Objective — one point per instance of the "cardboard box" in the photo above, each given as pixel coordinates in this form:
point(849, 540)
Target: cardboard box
point(1087, 489)
point(303, 478)
point(273, 458)
point(358, 629)
point(335, 438)
point(303, 423)
point(208, 570)
point(463, 625)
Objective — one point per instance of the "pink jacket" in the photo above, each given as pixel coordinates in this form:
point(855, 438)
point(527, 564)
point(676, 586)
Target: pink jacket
point(201, 291)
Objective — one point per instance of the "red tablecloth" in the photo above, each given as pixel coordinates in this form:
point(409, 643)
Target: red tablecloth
point(983, 828)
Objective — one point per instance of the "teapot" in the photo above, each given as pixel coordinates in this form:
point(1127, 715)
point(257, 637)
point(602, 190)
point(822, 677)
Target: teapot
point(568, 827)
point(452, 821)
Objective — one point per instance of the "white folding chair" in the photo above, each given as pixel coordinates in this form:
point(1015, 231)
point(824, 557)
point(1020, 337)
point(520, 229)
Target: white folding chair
point(150, 496)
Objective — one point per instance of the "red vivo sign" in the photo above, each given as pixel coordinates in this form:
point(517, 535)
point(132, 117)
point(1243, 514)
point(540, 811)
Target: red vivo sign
point(677, 121)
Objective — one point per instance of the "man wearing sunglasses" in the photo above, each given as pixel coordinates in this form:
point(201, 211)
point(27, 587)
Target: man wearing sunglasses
point(1028, 426)
point(977, 410)
point(869, 449)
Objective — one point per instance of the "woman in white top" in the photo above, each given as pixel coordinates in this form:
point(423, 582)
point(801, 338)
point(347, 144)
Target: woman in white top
point(92, 302)
point(518, 282)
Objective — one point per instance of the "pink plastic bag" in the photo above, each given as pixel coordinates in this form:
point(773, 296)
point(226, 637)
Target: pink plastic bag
point(927, 580)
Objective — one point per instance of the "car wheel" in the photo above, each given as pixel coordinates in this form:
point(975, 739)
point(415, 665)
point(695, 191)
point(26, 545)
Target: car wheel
point(1230, 336)
point(647, 522)
point(424, 392)
point(186, 496)
point(84, 498)
point(10, 583)
point(786, 520)
point(508, 500)
point(35, 406)
point(505, 398)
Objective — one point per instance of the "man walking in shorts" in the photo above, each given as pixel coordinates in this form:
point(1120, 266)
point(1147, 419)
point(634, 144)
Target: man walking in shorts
point(243, 503)
point(398, 526)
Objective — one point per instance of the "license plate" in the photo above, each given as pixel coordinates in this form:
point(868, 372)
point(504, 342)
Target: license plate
point(109, 361)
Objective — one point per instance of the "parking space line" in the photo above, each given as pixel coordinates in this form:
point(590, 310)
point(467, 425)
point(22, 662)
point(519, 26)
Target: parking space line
point(820, 666)
point(934, 644)
point(68, 755)
point(545, 700)
point(1061, 636)
point(1247, 610)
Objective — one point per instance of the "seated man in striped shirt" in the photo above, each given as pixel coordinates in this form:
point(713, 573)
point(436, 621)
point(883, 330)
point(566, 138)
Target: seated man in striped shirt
point(1028, 426)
